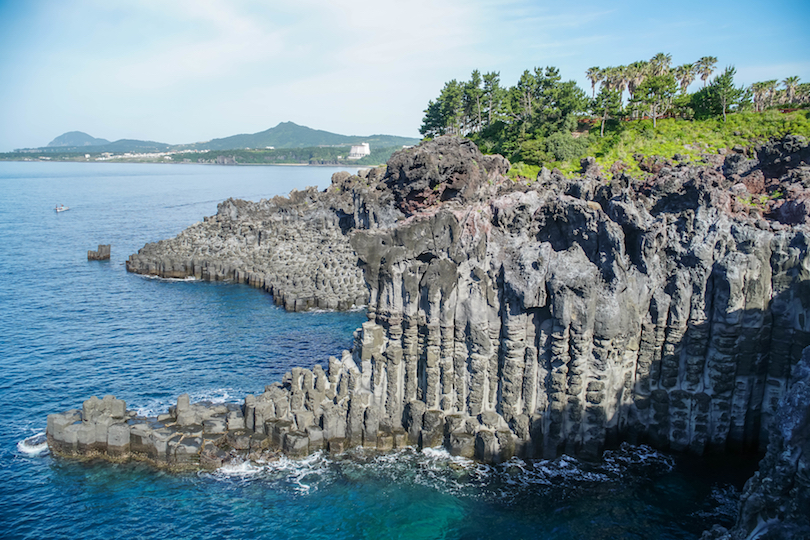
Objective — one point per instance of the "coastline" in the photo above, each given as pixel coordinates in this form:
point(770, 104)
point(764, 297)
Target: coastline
point(513, 320)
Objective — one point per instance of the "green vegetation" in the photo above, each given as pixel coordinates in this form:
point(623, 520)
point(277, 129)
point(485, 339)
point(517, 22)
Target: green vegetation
point(545, 121)
point(327, 155)
point(291, 135)
point(284, 135)
point(691, 139)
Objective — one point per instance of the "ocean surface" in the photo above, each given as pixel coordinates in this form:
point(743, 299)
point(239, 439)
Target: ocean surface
point(70, 329)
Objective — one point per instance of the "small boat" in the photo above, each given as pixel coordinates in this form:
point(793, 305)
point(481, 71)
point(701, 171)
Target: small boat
point(61, 208)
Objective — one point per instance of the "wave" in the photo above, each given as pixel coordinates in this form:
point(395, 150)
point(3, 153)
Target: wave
point(435, 468)
point(167, 280)
point(300, 475)
point(354, 309)
point(36, 445)
point(217, 395)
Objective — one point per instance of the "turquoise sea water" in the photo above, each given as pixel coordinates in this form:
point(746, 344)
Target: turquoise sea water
point(70, 329)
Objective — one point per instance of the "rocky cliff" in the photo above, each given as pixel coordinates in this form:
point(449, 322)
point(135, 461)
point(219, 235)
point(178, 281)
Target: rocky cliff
point(510, 318)
point(775, 503)
point(567, 314)
point(295, 248)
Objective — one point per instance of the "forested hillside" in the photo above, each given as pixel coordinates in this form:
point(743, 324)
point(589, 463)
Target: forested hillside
point(545, 121)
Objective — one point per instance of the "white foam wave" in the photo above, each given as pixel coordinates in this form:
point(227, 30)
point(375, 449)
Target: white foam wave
point(35, 445)
point(217, 396)
point(167, 280)
point(436, 469)
point(352, 309)
point(302, 474)
point(442, 455)
point(239, 469)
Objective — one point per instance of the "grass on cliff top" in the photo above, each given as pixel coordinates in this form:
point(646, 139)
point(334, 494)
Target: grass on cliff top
point(674, 136)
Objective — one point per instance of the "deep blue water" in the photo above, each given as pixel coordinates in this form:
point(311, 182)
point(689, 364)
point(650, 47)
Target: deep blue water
point(70, 329)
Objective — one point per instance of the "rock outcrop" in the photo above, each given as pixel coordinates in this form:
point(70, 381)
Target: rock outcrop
point(101, 254)
point(775, 503)
point(295, 248)
point(520, 318)
point(575, 314)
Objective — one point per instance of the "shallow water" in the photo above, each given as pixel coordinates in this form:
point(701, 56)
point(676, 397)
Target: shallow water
point(70, 329)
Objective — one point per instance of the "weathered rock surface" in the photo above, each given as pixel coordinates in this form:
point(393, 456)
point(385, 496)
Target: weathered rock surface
point(775, 503)
point(101, 254)
point(514, 318)
point(580, 322)
point(295, 248)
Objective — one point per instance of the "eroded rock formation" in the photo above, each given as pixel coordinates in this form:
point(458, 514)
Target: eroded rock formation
point(513, 318)
point(775, 503)
point(296, 248)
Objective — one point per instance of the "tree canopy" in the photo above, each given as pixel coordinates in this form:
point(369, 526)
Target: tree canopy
point(541, 117)
point(501, 119)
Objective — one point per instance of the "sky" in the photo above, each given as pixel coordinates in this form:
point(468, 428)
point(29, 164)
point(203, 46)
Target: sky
point(183, 71)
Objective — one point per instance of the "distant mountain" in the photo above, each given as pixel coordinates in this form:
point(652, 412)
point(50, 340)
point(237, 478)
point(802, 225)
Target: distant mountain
point(115, 147)
point(284, 135)
point(291, 135)
point(77, 138)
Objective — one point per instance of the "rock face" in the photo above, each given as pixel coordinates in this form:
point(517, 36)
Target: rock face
point(101, 254)
point(297, 249)
point(776, 501)
point(574, 316)
point(440, 170)
point(521, 318)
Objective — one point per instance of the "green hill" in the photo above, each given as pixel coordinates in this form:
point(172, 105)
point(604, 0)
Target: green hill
point(115, 147)
point(291, 135)
point(284, 135)
point(76, 138)
point(627, 141)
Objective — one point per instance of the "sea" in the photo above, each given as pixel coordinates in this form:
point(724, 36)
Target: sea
point(72, 328)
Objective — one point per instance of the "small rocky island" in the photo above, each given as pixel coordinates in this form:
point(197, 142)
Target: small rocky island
point(517, 318)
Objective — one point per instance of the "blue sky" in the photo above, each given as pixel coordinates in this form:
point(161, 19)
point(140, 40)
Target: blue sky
point(180, 71)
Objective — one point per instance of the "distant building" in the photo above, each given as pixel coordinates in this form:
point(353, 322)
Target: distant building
point(360, 151)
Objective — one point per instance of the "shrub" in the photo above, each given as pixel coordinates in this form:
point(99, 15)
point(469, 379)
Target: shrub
point(563, 147)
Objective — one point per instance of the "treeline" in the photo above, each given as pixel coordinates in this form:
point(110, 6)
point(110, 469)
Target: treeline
point(504, 119)
point(322, 155)
point(540, 119)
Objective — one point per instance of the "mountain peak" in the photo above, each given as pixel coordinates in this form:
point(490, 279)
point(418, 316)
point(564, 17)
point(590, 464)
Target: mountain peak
point(77, 138)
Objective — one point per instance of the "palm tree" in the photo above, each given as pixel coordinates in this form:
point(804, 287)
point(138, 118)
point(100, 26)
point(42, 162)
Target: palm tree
point(594, 74)
point(636, 72)
point(621, 80)
point(803, 93)
point(616, 78)
point(660, 63)
point(760, 90)
point(685, 74)
point(790, 85)
point(770, 89)
point(705, 66)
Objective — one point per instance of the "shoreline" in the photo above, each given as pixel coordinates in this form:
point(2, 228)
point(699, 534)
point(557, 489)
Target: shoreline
point(339, 166)
point(509, 318)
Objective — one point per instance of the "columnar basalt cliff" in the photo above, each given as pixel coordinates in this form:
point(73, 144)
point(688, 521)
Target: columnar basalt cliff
point(571, 314)
point(775, 502)
point(296, 248)
point(510, 318)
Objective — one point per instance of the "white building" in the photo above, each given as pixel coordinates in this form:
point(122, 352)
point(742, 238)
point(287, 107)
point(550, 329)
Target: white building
point(360, 151)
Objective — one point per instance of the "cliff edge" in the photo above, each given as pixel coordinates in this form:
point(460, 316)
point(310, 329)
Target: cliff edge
point(526, 318)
